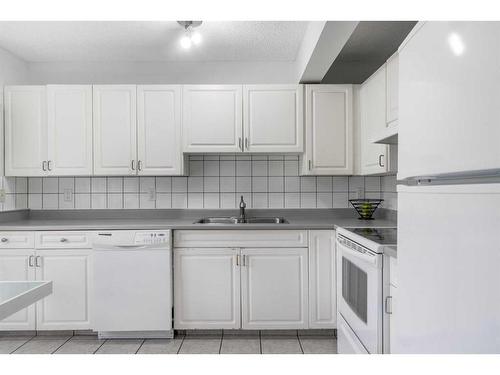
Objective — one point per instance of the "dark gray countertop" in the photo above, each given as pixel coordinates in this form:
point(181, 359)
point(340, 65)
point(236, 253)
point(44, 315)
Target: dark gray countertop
point(59, 220)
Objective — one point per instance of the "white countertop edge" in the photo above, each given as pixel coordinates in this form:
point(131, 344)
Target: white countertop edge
point(26, 298)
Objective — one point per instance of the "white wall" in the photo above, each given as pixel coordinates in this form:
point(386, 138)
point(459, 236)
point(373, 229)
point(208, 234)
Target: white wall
point(12, 71)
point(162, 72)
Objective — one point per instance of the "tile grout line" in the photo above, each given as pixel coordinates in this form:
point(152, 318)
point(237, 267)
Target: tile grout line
point(221, 339)
point(95, 351)
point(140, 346)
point(69, 338)
point(20, 346)
point(260, 341)
point(300, 343)
point(182, 342)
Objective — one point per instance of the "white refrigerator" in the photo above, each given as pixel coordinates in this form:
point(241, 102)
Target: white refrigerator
point(448, 296)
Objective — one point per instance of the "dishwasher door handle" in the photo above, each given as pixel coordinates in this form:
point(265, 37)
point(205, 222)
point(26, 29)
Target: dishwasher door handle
point(125, 247)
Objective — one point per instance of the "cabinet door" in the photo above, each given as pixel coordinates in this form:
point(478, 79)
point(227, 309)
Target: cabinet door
point(25, 131)
point(322, 280)
point(159, 148)
point(114, 112)
point(392, 82)
point(15, 266)
point(69, 129)
point(274, 288)
point(206, 288)
point(212, 118)
point(273, 118)
point(68, 307)
point(329, 130)
point(374, 157)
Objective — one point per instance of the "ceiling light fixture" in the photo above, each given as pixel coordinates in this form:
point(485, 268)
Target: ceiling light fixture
point(190, 36)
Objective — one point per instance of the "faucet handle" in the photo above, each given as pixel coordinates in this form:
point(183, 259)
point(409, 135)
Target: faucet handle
point(242, 202)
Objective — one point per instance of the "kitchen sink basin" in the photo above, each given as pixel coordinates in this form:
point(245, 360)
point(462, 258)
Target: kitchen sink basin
point(248, 220)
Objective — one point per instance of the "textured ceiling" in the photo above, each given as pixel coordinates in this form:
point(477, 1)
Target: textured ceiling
point(369, 46)
point(43, 41)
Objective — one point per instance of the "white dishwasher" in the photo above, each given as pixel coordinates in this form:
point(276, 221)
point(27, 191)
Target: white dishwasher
point(132, 284)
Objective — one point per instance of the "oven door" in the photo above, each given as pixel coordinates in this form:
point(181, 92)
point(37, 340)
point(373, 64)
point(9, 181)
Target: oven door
point(360, 294)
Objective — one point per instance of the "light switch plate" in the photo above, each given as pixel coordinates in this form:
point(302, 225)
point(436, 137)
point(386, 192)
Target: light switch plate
point(68, 195)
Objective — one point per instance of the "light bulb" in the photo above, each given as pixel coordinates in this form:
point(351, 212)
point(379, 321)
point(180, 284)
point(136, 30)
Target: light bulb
point(186, 42)
point(196, 38)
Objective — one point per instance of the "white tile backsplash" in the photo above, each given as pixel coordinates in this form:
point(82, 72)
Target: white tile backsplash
point(216, 181)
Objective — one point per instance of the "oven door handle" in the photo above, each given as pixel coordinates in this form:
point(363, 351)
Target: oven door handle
point(367, 257)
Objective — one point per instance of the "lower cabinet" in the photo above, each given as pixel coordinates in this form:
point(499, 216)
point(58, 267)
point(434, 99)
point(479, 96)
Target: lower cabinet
point(15, 266)
point(206, 288)
point(67, 308)
point(274, 288)
point(249, 288)
point(322, 280)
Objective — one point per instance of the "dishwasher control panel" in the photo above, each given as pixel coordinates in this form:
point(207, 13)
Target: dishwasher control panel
point(151, 238)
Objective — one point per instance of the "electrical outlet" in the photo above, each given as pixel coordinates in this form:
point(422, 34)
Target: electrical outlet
point(2, 195)
point(360, 192)
point(68, 195)
point(152, 194)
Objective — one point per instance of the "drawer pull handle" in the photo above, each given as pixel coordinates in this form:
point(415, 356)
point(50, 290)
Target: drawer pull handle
point(5, 240)
point(64, 240)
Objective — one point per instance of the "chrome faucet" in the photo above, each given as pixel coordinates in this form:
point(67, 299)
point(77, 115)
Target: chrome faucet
point(243, 215)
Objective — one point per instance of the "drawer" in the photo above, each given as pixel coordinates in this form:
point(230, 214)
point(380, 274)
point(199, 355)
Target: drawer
point(393, 271)
point(62, 240)
point(17, 240)
point(240, 238)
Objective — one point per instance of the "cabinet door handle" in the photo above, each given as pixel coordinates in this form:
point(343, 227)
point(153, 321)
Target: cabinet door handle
point(246, 143)
point(240, 144)
point(388, 302)
point(380, 160)
point(44, 166)
point(133, 165)
point(310, 165)
point(48, 165)
point(31, 261)
point(38, 261)
point(139, 165)
point(238, 260)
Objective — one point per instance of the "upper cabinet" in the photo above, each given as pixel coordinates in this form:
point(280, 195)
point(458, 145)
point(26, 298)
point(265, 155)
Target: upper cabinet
point(392, 89)
point(115, 129)
point(159, 143)
point(375, 158)
point(137, 130)
point(328, 130)
point(212, 118)
point(69, 129)
point(25, 131)
point(273, 118)
point(48, 130)
point(249, 118)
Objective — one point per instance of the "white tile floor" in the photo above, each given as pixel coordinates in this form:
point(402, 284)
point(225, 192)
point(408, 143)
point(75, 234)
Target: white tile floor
point(216, 342)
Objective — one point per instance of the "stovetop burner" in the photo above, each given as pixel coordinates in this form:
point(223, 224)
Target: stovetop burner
point(382, 236)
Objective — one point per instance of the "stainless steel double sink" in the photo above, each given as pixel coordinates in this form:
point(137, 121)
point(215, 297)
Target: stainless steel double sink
point(236, 220)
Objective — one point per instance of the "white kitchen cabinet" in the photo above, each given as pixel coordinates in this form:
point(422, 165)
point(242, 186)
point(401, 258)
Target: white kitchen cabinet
point(69, 130)
point(375, 158)
point(212, 118)
point(25, 131)
point(159, 142)
point(17, 265)
point(61, 257)
point(392, 94)
point(322, 279)
point(273, 118)
point(114, 116)
point(206, 288)
point(328, 130)
point(274, 288)
point(68, 307)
